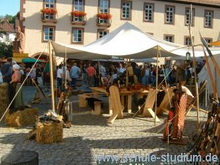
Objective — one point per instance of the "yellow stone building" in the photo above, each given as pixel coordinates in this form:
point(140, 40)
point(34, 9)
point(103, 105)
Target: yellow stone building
point(80, 22)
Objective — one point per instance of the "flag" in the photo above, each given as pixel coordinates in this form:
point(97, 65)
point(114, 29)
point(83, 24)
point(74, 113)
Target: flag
point(216, 43)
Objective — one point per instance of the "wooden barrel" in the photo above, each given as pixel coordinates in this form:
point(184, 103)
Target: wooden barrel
point(20, 158)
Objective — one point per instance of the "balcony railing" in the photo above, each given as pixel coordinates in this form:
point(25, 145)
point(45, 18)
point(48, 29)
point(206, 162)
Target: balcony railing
point(104, 20)
point(78, 18)
point(49, 15)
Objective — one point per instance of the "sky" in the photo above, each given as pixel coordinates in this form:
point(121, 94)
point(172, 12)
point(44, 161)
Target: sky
point(10, 7)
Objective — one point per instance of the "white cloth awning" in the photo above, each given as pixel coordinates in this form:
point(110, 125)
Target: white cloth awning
point(127, 41)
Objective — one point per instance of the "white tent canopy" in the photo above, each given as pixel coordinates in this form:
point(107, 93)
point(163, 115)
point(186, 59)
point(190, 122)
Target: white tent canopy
point(126, 41)
point(203, 75)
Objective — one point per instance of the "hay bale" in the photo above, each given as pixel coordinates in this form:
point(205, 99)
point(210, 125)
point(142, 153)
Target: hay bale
point(3, 98)
point(49, 132)
point(22, 118)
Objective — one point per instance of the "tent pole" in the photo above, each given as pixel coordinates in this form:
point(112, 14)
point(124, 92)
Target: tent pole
point(51, 78)
point(194, 66)
point(64, 69)
point(155, 117)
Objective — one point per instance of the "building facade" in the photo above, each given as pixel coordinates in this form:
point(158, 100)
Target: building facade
point(7, 32)
point(80, 22)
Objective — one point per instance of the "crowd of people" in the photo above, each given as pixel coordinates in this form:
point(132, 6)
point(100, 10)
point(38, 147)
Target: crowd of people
point(99, 74)
point(93, 74)
point(12, 75)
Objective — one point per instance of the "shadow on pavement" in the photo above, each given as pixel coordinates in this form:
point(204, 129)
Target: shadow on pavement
point(71, 151)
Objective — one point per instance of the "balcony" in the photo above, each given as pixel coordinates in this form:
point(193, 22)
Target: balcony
point(78, 18)
point(103, 20)
point(49, 15)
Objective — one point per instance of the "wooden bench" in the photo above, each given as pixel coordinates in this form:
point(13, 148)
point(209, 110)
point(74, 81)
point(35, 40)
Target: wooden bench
point(97, 108)
point(82, 98)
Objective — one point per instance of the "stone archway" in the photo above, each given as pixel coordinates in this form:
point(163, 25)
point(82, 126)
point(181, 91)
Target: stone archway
point(44, 56)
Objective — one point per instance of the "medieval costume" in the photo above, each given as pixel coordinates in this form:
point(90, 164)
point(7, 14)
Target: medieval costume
point(15, 84)
point(176, 116)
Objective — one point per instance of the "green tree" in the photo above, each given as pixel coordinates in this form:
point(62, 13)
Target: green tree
point(6, 50)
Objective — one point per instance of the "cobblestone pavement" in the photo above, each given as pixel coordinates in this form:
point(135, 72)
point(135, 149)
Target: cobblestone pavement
point(91, 139)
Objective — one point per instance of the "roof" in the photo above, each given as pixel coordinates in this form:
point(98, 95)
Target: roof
point(6, 26)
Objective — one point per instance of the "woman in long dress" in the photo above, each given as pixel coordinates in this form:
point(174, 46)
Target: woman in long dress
point(15, 85)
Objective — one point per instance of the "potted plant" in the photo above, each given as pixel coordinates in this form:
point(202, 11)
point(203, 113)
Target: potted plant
point(78, 13)
point(104, 15)
point(48, 11)
point(78, 17)
point(49, 15)
point(103, 19)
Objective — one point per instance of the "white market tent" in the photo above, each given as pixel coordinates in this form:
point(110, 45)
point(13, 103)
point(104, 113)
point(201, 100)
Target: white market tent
point(127, 41)
point(203, 75)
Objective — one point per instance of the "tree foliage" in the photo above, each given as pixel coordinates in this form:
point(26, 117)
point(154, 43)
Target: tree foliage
point(11, 19)
point(6, 50)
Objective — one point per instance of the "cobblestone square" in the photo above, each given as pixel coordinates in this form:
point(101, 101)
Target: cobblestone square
point(91, 140)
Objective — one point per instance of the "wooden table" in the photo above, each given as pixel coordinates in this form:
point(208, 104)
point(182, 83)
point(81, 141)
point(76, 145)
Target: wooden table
point(126, 96)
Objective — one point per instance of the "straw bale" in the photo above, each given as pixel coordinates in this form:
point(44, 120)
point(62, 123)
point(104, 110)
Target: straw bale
point(3, 98)
point(49, 132)
point(4, 86)
point(22, 118)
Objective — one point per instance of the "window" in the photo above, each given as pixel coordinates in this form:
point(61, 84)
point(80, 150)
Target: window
point(208, 18)
point(102, 33)
point(208, 40)
point(103, 6)
point(48, 33)
point(148, 12)
point(49, 3)
point(77, 35)
point(169, 14)
point(188, 41)
point(188, 16)
point(78, 12)
point(126, 10)
point(169, 38)
point(78, 5)
point(49, 16)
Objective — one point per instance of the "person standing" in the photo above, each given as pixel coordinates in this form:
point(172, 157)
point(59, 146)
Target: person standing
point(91, 74)
point(84, 73)
point(15, 84)
point(59, 79)
point(121, 70)
point(39, 74)
point(7, 70)
point(146, 75)
point(74, 73)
